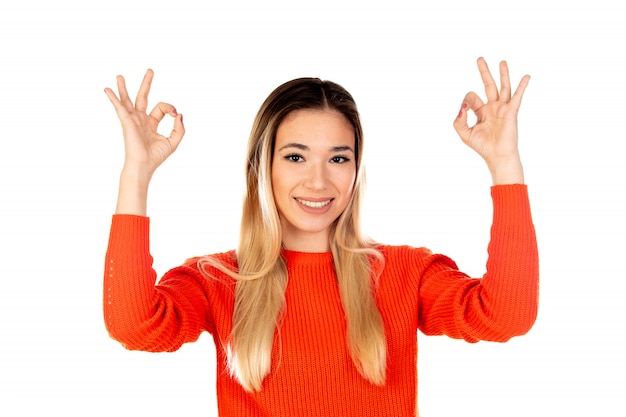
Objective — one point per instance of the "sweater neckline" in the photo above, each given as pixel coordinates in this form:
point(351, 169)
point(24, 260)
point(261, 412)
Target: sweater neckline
point(307, 258)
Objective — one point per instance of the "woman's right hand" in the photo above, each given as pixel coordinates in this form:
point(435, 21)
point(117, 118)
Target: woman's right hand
point(145, 149)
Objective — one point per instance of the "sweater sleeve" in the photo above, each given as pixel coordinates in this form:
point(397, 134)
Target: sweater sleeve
point(138, 313)
point(502, 304)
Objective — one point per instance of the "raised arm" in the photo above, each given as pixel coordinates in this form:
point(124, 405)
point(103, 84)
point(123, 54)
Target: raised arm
point(494, 136)
point(145, 149)
point(503, 303)
point(137, 313)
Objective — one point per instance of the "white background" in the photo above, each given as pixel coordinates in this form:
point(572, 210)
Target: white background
point(408, 67)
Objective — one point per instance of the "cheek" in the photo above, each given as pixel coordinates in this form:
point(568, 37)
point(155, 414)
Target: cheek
point(279, 185)
point(276, 186)
point(346, 184)
point(275, 175)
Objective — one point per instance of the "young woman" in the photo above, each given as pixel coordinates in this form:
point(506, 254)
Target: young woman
point(309, 317)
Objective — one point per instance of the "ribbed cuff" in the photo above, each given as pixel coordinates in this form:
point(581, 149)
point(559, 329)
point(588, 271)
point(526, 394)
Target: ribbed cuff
point(511, 201)
point(136, 232)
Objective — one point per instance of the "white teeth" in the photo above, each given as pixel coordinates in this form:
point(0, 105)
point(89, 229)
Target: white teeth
point(313, 204)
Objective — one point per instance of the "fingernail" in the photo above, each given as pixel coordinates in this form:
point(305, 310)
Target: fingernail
point(181, 118)
point(463, 106)
point(174, 111)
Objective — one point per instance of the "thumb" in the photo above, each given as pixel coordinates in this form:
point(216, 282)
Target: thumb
point(176, 136)
point(460, 123)
point(472, 102)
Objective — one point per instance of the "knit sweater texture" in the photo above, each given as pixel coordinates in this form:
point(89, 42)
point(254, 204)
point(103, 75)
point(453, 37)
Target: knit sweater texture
point(312, 372)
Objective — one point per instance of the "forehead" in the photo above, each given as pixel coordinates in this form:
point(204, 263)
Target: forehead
point(315, 125)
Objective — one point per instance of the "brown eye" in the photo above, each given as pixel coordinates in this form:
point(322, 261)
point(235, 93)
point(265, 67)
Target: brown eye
point(339, 159)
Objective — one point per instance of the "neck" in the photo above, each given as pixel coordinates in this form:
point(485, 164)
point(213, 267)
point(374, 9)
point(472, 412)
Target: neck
point(300, 241)
point(302, 244)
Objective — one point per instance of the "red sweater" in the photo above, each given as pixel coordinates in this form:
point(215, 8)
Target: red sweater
point(312, 372)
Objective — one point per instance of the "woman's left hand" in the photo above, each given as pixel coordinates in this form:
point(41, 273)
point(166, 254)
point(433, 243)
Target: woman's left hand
point(494, 136)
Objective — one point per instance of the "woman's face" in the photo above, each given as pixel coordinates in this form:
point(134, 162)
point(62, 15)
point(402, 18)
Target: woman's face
point(313, 174)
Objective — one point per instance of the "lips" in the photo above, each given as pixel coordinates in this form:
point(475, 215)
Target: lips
point(314, 204)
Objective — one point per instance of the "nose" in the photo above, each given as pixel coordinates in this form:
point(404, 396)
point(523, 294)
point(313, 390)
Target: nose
point(317, 177)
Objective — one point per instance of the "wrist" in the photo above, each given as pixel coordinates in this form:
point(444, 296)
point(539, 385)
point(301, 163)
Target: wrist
point(136, 173)
point(133, 193)
point(507, 171)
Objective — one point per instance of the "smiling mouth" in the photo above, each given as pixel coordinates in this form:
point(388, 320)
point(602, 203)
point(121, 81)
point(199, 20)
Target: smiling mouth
point(314, 204)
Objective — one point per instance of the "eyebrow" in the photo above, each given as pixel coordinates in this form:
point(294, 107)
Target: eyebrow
point(302, 147)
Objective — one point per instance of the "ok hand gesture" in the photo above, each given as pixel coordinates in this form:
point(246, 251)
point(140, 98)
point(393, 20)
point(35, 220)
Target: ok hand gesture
point(145, 149)
point(494, 136)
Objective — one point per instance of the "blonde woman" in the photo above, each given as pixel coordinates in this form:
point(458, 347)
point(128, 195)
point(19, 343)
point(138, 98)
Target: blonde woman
point(309, 317)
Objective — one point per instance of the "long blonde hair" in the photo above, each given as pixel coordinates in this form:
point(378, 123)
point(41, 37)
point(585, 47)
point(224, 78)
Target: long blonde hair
point(261, 278)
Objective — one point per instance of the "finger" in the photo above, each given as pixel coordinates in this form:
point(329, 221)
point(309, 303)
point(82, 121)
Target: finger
point(474, 103)
point(124, 99)
point(516, 100)
point(141, 103)
point(460, 123)
point(119, 108)
point(505, 82)
point(177, 132)
point(491, 89)
point(160, 110)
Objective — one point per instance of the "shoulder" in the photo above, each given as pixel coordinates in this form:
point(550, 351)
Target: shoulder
point(214, 264)
point(393, 253)
point(204, 269)
point(410, 258)
point(228, 258)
